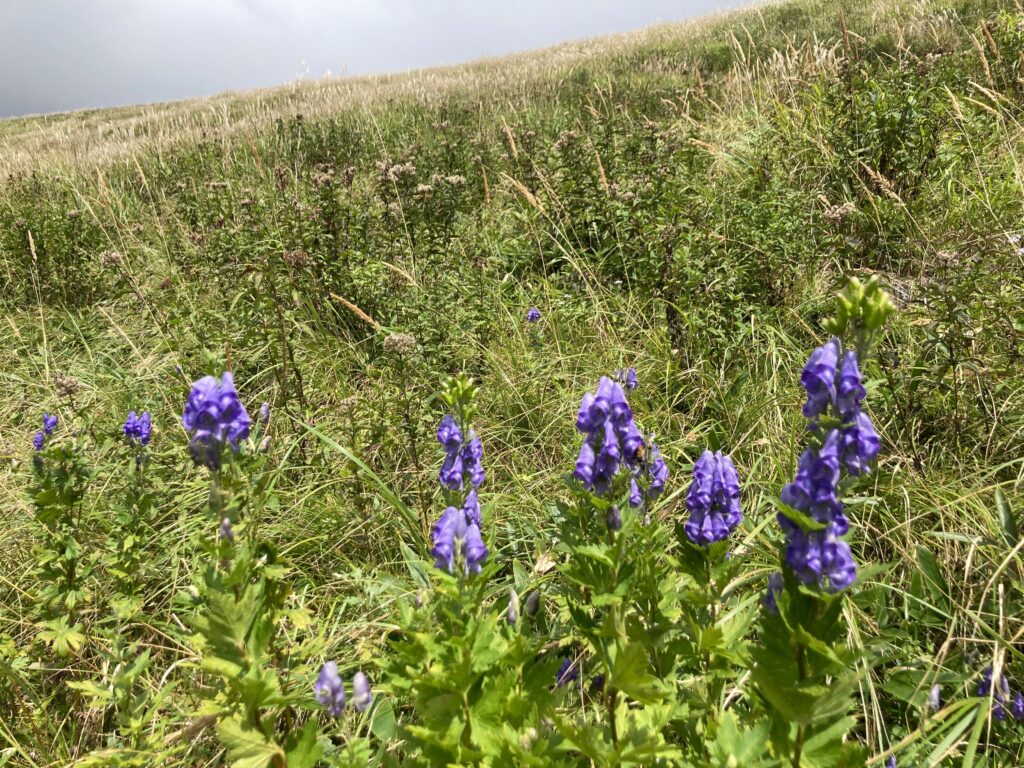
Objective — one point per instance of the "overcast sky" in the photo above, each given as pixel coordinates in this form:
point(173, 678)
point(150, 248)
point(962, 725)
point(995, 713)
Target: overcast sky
point(58, 55)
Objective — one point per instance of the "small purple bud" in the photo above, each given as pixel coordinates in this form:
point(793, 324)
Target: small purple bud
point(935, 697)
point(533, 603)
point(38, 441)
point(532, 315)
point(265, 413)
point(362, 694)
point(512, 612)
point(614, 519)
point(225, 531)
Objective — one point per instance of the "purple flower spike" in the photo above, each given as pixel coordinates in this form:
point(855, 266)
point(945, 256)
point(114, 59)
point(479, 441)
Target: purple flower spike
point(713, 499)
point(330, 689)
point(38, 441)
point(532, 315)
point(362, 693)
point(138, 428)
point(818, 378)
point(215, 417)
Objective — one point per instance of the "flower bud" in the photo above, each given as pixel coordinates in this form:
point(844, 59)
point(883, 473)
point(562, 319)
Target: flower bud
point(614, 519)
point(935, 697)
point(512, 613)
point(533, 603)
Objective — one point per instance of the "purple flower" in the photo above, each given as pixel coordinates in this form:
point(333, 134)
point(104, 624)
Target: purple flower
point(636, 498)
point(999, 695)
point(860, 444)
point(713, 499)
point(891, 762)
point(330, 689)
point(1017, 708)
point(362, 694)
point(449, 435)
point(472, 456)
point(850, 391)
point(138, 428)
point(214, 416)
point(265, 414)
point(658, 472)
point(451, 471)
point(584, 471)
point(455, 536)
point(471, 507)
point(225, 531)
point(818, 557)
point(775, 586)
point(475, 549)
point(818, 378)
point(627, 377)
point(532, 315)
point(38, 441)
point(567, 672)
point(813, 490)
point(49, 423)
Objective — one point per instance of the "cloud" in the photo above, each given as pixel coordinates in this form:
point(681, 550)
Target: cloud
point(66, 54)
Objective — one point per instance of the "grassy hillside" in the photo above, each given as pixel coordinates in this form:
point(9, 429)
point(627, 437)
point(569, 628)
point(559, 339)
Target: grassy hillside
point(685, 200)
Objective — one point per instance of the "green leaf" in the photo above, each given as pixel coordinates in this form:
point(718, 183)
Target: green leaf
point(384, 726)
point(631, 675)
point(933, 577)
point(247, 747)
point(302, 748)
point(1006, 519)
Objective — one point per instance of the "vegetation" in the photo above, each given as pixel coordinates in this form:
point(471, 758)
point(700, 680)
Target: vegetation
point(685, 201)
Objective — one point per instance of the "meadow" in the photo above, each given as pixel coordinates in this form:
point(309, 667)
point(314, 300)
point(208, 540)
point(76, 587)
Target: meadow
point(705, 204)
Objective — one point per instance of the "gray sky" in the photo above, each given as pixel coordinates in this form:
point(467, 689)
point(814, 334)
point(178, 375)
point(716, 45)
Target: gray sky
point(70, 54)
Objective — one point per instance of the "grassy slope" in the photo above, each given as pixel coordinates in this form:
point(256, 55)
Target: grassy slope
point(672, 199)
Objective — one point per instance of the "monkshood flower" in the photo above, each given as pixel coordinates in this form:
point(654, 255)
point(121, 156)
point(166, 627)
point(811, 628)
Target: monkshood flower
point(49, 424)
point(455, 537)
point(850, 392)
point(999, 695)
point(138, 428)
point(1017, 709)
point(330, 689)
point(532, 315)
point(265, 414)
point(713, 499)
point(214, 416)
point(860, 444)
point(567, 672)
point(362, 693)
point(891, 762)
point(814, 489)
point(627, 377)
point(775, 587)
point(818, 378)
point(818, 557)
